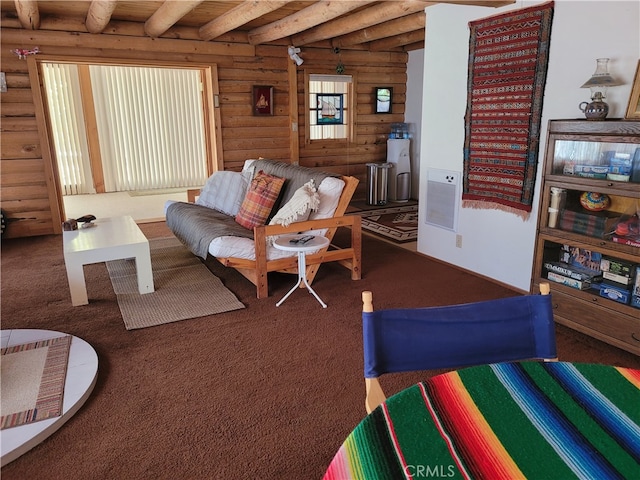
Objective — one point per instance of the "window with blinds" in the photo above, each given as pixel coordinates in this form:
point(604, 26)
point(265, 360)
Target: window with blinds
point(329, 98)
point(67, 128)
point(149, 123)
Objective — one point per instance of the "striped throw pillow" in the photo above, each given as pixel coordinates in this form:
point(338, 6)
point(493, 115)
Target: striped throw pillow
point(259, 200)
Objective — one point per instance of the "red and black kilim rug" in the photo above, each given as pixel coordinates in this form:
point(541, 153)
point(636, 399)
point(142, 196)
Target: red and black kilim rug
point(508, 56)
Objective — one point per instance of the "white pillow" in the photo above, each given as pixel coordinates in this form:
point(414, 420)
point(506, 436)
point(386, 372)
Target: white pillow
point(225, 191)
point(330, 190)
point(298, 209)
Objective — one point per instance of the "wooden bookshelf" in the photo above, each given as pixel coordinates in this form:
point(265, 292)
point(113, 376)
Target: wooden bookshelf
point(578, 155)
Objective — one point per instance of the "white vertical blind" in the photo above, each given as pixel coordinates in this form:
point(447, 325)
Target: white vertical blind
point(150, 126)
point(67, 121)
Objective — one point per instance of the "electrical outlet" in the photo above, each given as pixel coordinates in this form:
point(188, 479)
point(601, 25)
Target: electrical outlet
point(459, 241)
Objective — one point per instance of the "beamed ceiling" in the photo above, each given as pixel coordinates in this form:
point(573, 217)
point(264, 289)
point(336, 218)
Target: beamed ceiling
point(352, 24)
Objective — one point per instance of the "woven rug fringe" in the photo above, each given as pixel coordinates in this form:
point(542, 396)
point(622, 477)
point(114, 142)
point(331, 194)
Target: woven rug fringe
point(484, 205)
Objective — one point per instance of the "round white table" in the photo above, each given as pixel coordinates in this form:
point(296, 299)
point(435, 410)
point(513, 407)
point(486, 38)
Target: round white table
point(534, 420)
point(81, 377)
point(284, 242)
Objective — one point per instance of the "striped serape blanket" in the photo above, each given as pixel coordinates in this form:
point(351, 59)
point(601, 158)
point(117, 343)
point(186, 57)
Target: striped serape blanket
point(531, 420)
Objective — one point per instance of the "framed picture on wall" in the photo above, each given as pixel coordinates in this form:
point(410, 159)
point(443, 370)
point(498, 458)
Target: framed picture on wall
point(384, 99)
point(329, 108)
point(633, 110)
point(262, 100)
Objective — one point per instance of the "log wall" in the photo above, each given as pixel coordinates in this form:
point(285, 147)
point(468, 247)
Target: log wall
point(28, 187)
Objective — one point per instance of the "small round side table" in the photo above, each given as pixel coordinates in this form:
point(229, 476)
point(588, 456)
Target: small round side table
point(316, 243)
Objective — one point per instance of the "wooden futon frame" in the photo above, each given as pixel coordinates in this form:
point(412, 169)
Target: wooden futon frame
point(350, 257)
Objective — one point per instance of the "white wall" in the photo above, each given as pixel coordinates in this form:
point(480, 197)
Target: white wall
point(413, 114)
point(496, 244)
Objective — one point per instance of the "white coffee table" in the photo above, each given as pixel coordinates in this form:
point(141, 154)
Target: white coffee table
point(284, 243)
point(110, 239)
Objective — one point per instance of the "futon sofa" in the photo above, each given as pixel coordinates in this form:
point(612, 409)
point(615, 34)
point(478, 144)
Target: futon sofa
point(236, 216)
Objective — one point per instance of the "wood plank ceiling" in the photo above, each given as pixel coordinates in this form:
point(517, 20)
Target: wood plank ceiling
point(353, 24)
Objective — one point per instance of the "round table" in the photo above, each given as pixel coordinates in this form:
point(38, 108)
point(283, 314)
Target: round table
point(286, 243)
point(79, 380)
point(534, 420)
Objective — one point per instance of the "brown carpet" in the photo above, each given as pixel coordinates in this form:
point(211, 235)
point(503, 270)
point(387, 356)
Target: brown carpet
point(264, 392)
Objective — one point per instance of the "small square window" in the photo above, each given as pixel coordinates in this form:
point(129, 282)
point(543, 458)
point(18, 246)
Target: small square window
point(329, 98)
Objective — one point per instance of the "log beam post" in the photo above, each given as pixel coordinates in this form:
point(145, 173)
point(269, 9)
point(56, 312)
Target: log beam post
point(406, 24)
point(28, 14)
point(99, 15)
point(167, 15)
point(321, 11)
point(238, 16)
point(370, 16)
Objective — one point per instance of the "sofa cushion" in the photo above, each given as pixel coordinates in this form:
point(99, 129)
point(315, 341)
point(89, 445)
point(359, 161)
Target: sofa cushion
point(225, 191)
point(298, 209)
point(196, 226)
point(239, 247)
point(259, 200)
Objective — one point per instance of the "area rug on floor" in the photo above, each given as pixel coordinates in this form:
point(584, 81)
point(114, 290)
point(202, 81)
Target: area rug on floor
point(399, 224)
point(184, 288)
point(33, 376)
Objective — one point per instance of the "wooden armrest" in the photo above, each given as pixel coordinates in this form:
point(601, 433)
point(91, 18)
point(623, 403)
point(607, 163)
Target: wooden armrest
point(333, 222)
point(349, 257)
point(192, 193)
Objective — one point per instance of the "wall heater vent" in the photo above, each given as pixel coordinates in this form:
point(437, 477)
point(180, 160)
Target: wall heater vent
point(442, 202)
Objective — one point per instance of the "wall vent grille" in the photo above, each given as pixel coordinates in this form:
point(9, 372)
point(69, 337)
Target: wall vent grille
point(443, 195)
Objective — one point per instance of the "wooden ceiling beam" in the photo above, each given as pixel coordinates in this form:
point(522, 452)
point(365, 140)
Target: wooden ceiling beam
point(414, 46)
point(480, 3)
point(117, 27)
point(405, 24)
point(167, 15)
point(238, 16)
point(99, 15)
point(347, 24)
point(28, 14)
point(363, 19)
point(397, 41)
point(319, 12)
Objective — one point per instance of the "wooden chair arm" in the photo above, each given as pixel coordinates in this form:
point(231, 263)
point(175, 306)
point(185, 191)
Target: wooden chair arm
point(333, 222)
point(348, 257)
point(192, 194)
